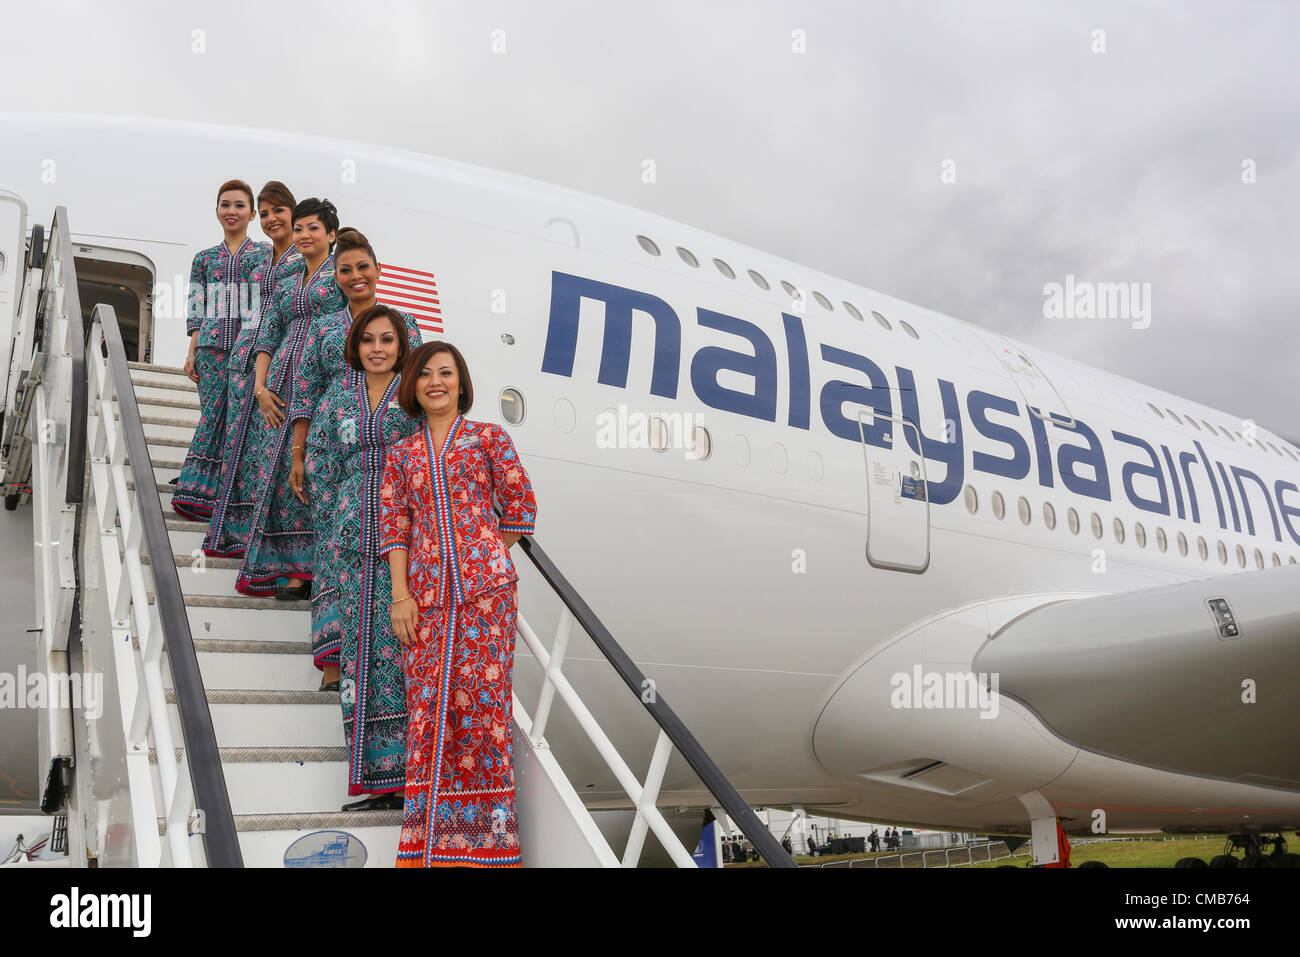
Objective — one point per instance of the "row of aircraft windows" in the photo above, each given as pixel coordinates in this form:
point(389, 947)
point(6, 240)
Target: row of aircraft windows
point(1185, 419)
point(1098, 528)
point(688, 257)
point(759, 280)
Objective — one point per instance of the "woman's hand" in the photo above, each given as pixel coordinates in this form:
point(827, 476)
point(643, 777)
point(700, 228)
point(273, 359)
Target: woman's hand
point(272, 407)
point(406, 618)
point(191, 368)
point(298, 478)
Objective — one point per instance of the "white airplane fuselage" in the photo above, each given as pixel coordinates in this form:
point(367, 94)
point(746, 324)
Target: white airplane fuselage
point(770, 590)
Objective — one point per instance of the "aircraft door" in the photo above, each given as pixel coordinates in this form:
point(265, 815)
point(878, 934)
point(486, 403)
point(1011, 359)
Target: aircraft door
point(13, 252)
point(898, 508)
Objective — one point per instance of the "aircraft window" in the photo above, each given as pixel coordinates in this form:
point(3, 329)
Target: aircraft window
point(1241, 556)
point(512, 406)
point(823, 301)
point(724, 269)
point(1201, 548)
point(881, 319)
point(701, 444)
point(780, 458)
point(908, 329)
point(1226, 434)
point(1049, 515)
point(1026, 513)
point(1096, 525)
point(1072, 519)
point(1155, 410)
point(759, 281)
point(1276, 559)
point(1192, 422)
point(1208, 428)
point(1290, 560)
point(658, 434)
point(1222, 550)
point(1173, 415)
point(789, 288)
point(999, 508)
point(1119, 531)
point(648, 245)
point(1162, 540)
point(1290, 453)
point(1259, 558)
point(1182, 544)
point(972, 499)
point(853, 310)
point(688, 257)
point(1140, 535)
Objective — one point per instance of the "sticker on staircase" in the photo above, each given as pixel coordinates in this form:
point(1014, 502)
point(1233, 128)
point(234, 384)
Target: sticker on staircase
point(326, 849)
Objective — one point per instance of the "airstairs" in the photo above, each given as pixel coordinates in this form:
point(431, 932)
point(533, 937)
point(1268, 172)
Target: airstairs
point(214, 747)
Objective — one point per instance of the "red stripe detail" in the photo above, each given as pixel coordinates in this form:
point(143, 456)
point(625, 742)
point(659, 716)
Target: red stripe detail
point(416, 272)
point(395, 294)
point(429, 290)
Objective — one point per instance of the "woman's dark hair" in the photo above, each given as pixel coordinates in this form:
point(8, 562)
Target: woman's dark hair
point(236, 186)
point(416, 362)
point(321, 208)
point(350, 238)
point(352, 349)
point(277, 194)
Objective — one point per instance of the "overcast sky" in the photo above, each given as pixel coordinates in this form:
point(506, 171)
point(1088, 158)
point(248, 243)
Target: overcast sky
point(1117, 166)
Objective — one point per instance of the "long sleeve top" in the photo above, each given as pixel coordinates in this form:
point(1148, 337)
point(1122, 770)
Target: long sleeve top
point(222, 292)
point(437, 503)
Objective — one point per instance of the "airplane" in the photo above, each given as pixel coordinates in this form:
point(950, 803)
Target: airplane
point(887, 564)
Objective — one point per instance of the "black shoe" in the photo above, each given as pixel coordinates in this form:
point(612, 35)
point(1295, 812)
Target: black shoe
point(300, 592)
point(330, 686)
point(173, 481)
point(379, 802)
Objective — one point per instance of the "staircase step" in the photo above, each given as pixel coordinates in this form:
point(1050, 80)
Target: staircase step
point(165, 383)
point(243, 601)
point(185, 561)
point(285, 787)
point(148, 402)
point(150, 367)
point(276, 721)
point(254, 669)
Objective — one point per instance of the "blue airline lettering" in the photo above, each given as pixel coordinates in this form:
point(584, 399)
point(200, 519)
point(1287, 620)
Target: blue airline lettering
point(1081, 466)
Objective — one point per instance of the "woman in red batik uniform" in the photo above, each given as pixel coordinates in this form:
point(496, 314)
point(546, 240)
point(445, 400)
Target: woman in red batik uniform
point(454, 609)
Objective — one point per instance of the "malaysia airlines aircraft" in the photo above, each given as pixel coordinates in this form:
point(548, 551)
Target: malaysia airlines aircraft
point(885, 564)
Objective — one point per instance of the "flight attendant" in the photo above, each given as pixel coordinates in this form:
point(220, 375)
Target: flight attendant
point(232, 515)
point(280, 540)
point(454, 608)
point(220, 292)
point(324, 368)
point(360, 420)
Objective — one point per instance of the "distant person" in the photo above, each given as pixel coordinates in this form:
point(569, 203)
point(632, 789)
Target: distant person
point(812, 846)
point(785, 843)
point(874, 840)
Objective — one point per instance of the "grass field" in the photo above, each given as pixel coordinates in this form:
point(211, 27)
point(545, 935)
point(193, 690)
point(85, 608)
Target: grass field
point(1156, 851)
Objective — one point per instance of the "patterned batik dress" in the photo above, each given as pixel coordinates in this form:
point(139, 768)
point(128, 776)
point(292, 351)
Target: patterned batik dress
point(372, 686)
point(280, 538)
point(437, 503)
point(221, 294)
point(321, 372)
point(246, 430)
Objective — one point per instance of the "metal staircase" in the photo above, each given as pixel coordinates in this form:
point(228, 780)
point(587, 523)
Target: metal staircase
point(215, 748)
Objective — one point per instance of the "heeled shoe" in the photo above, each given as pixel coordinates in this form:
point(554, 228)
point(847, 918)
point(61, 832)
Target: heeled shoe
point(378, 802)
point(329, 686)
point(299, 592)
